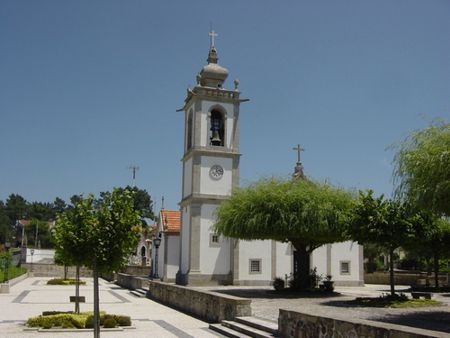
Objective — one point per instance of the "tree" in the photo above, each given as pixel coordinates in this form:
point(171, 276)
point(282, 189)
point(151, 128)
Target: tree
point(6, 227)
point(388, 223)
point(142, 201)
point(434, 244)
point(16, 207)
point(422, 168)
point(98, 235)
point(307, 214)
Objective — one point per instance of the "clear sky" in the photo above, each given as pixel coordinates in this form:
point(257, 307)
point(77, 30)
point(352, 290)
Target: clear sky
point(90, 88)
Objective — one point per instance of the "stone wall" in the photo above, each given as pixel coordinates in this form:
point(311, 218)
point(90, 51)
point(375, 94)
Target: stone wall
point(131, 282)
point(293, 324)
point(52, 270)
point(209, 306)
point(402, 278)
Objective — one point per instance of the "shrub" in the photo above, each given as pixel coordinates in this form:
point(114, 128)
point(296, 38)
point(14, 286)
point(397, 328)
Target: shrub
point(67, 324)
point(278, 284)
point(89, 323)
point(62, 281)
point(109, 322)
point(123, 320)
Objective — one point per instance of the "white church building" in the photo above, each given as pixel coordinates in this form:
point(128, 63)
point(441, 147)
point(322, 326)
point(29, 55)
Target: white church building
point(210, 172)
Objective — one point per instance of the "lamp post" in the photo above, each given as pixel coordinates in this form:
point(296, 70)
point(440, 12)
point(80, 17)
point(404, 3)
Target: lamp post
point(157, 243)
point(32, 253)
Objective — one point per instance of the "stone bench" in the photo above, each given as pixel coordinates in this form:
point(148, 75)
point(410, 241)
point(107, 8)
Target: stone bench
point(418, 295)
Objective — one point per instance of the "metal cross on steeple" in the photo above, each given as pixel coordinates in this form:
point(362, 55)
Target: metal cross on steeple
point(299, 150)
point(212, 35)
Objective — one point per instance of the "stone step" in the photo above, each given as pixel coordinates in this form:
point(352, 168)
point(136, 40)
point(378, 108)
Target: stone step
point(246, 327)
point(259, 323)
point(139, 293)
point(227, 332)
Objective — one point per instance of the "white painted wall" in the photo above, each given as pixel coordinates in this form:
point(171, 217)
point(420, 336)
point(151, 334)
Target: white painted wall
point(173, 254)
point(346, 251)
point(216, 187)
point(213, 259)
point(184, 261)
point(284, 259)
point(187, 184)
point(249, 250)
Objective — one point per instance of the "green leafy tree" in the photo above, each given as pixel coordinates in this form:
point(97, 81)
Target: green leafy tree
point(142, 201)
point(387, 223)
point(422, 168)
point(16, 207)
point(59, 205)
point(307, 214)
point(41, 211)
point(434, 244)
point(6, 227)
point(99, 235)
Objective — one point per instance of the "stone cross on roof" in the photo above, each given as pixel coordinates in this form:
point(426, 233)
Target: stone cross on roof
point(299, 150)
point(212, 35)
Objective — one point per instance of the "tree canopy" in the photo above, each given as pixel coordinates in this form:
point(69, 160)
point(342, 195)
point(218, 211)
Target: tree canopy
point(98, 234)
point(308, 214)
point(292, 210)
point(422, 168)
point(385, 222)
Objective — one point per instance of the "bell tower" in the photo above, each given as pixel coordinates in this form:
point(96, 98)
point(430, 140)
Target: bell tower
point(210, 172)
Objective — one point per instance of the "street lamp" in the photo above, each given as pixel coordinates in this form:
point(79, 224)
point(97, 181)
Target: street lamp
point(157, 243)
point(32, 253)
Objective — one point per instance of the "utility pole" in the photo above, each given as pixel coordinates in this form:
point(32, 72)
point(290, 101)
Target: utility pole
point(134, 168)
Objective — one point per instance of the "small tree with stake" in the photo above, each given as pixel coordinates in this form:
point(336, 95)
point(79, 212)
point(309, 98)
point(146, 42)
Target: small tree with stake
point(387, 223)
point(104, 234)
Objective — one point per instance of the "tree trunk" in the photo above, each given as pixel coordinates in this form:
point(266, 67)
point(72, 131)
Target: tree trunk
point(77, 289)
point(391, 271)
point(301, 268)
point(96, 302)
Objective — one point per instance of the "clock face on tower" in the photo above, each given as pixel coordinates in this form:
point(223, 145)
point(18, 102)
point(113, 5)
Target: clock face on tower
point(216, 172)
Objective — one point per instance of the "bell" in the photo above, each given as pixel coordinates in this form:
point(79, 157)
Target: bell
point(215, 138)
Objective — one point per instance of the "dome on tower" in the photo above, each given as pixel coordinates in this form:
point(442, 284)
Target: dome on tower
point(212, 75)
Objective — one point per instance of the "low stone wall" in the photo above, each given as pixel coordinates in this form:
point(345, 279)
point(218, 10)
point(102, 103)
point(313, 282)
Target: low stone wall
point(52, 270)
point(209, 306)
point(402, 278)
point(293, 324)
point(131, 282)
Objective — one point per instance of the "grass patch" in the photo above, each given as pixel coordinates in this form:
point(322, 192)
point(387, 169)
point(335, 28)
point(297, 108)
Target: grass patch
point(393, 301)
point(62, 281)
point(13, 272)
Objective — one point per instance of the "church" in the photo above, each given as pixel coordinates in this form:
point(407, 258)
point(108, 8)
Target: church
point(210, 172)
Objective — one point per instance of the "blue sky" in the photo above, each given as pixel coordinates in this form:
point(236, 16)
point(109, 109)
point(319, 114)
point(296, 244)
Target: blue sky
point(89, 88)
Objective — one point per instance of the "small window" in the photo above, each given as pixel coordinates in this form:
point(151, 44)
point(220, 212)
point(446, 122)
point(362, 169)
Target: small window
point(214, 240)
point(345, 267)
point(189, 132)
point(255, 266)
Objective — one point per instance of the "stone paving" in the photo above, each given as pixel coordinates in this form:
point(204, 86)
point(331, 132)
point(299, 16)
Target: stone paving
point(266, 305)
point(31, 296)
point(28, 298)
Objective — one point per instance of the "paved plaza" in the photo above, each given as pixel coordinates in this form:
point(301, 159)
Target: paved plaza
point(31, 296)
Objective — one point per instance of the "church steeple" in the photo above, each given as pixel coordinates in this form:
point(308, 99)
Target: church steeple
point(212, 75)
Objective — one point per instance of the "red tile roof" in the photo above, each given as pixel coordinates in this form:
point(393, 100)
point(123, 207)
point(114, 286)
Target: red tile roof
point(171, 221)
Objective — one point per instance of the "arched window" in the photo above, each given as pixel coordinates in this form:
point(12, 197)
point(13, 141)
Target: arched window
point(217, 129)
point(189, 132)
